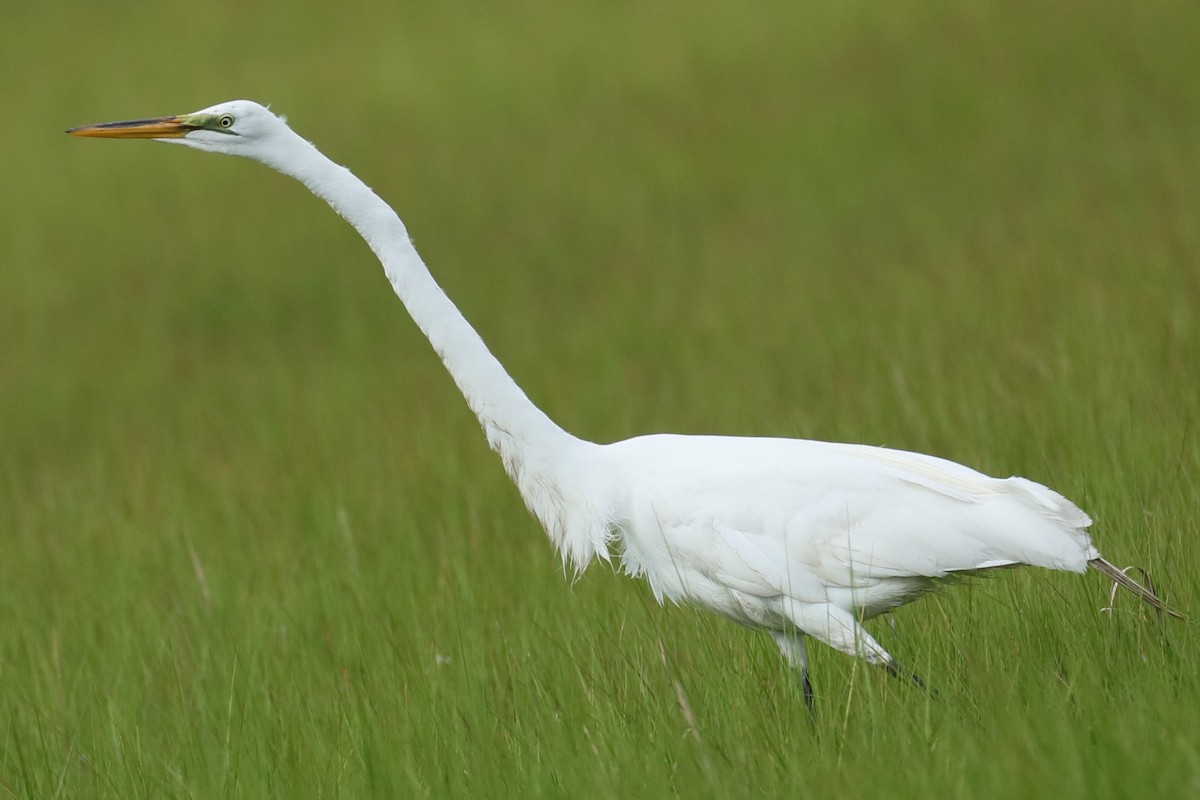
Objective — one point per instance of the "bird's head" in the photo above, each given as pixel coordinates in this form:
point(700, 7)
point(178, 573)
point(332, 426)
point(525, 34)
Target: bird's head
point(239, 127)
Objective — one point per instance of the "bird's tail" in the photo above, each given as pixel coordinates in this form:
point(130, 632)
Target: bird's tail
point(1121, 578)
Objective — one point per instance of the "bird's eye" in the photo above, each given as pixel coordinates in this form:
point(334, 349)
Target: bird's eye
point(226, 121)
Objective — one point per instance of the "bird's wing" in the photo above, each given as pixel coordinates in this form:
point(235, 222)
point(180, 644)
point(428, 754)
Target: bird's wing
point(758, 565)
point(953, 480)
point(795, 518)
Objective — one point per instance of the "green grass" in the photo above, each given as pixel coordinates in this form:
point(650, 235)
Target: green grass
point(253, 544)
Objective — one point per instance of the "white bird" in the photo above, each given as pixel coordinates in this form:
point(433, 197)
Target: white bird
point(799, 538)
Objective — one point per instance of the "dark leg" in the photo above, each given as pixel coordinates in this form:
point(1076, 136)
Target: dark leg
point(896, 672)
point(791, 644)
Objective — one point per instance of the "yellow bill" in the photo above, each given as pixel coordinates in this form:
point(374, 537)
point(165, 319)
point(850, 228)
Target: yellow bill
point(159, 128)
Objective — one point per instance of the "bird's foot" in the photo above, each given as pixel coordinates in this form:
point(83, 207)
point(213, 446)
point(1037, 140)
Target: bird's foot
point(896, 671)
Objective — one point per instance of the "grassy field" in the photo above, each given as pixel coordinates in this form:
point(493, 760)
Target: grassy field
point(252, 543)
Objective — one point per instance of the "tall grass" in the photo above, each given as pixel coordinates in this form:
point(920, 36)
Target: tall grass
point(254, 544)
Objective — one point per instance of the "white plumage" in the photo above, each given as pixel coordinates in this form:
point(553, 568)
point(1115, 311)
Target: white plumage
point(788, 534)
point(800, 538)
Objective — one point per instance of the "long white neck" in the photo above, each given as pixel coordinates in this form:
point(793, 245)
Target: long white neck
point(532, 447)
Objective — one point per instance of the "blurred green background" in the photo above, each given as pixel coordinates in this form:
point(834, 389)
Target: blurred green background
point(255, 545)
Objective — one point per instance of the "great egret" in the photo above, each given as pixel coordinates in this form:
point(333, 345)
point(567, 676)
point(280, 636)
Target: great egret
point(799, 538)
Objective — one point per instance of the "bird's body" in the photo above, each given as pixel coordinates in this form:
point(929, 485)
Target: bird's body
point(792, 536)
